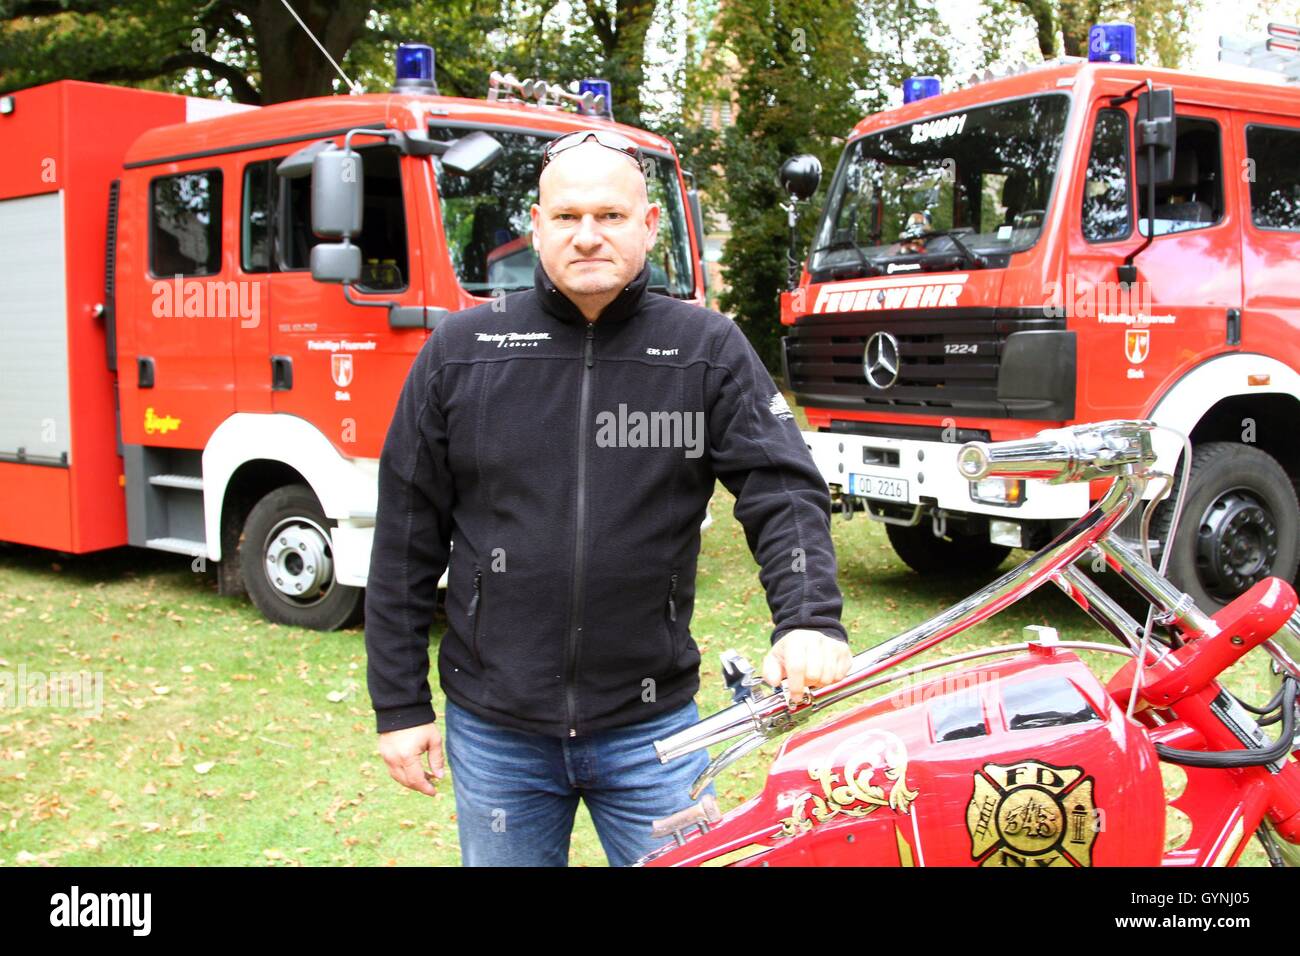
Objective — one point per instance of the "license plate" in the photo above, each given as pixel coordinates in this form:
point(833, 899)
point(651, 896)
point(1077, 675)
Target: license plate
point(878, 486)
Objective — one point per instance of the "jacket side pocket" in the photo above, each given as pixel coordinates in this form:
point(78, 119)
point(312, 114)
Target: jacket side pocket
point(475, 613)
point(670, 624)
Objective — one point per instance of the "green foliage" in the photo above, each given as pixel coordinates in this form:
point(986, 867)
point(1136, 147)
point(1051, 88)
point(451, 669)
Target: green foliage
point(605, 38)
point(210, 49)
point(807, 73)
point(1061, 27)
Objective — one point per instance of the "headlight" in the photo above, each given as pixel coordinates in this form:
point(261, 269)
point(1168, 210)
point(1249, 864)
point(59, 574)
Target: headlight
point(1007, 492)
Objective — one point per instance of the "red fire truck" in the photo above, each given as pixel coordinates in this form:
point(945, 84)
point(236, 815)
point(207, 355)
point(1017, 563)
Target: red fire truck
point(181, 370)
point(1071, 243)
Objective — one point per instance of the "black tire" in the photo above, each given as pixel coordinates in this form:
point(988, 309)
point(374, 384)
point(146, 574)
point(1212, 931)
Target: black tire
point(953, 554)
point(1240, 524)
point(287, 563)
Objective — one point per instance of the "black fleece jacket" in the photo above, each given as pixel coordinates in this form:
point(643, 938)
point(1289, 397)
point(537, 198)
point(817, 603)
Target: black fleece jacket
point(564, 468)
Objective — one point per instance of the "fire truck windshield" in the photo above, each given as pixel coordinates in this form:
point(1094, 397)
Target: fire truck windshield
point(488, 228)
point(958, 191)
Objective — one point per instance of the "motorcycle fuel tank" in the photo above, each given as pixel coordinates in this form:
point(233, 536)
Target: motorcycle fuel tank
point(1023, 761)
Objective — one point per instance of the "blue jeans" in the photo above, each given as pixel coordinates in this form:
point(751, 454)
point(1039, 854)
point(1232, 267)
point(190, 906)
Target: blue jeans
point(516, 793)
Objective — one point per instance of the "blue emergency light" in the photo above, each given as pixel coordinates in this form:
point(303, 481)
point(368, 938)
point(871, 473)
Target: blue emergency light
point(1112, 43)
point(597, 87)
point(414, 66)
point(920, 87)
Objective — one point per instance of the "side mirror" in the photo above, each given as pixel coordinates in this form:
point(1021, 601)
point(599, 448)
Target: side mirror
point(800, 176)
point(337, 262)
point(299, 164)
point(471, 153)
point(336, 193)
point(697, 220)
point(1155, 137)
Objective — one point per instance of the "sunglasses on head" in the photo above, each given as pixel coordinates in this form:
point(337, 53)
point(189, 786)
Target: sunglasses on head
point(614, 141)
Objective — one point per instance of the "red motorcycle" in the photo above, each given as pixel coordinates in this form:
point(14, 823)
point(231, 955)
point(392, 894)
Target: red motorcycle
point(1029, 759)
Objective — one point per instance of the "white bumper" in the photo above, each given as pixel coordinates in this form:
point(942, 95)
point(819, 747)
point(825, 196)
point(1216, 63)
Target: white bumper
point(926, 474)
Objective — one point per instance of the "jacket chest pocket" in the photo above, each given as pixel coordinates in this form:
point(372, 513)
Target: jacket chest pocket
point(475, 612)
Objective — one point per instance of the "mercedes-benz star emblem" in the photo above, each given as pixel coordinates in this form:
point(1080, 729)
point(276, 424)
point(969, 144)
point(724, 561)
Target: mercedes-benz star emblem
point(880, 360)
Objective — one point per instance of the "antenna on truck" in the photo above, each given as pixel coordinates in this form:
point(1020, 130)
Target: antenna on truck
point(352, 87)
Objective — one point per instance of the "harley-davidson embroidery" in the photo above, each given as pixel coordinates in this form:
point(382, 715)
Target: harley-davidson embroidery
point(1032, 814)
point(874, 775)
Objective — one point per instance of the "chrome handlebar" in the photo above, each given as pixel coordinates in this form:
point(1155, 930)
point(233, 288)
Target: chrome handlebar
point(1115, 449)
point(1060, 455)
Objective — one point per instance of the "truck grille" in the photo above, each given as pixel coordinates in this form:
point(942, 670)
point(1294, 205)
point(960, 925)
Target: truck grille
point(946, 366)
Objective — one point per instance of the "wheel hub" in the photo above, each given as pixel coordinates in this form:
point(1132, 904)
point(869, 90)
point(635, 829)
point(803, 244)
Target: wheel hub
point(1236, 544)
point(297, 560)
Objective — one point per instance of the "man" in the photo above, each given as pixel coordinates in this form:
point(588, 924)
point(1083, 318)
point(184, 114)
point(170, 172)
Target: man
point(564, 441)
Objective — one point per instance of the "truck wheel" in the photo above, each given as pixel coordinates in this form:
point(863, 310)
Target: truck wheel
point(953, 554)
point(288, 563)
point(1240, 524)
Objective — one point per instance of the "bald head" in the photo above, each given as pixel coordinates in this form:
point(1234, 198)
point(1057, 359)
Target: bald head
point(591, 162)
point(593, 224)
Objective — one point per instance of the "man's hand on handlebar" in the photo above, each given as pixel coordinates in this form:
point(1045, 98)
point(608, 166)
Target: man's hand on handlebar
point(402, 751)
point(806, 659)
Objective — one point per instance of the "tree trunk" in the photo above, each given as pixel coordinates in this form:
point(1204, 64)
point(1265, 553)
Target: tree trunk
point(1045, 24)
point(292, 66)
point(622, 40)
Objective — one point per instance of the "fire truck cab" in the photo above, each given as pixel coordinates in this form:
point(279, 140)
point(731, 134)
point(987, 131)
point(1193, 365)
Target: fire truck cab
point(191, 367)
point(1070, 243)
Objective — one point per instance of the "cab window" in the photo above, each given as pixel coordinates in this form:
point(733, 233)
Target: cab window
point(1105, 213)
point(185, 224)
point(255, 217)
point(279, 207)
point(383, 222)
point(1275, 184)
point(1194, 200)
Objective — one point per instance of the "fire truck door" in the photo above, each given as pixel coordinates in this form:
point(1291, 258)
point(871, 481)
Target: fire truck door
point(1189, 277)
point(192, 300)
point(333, 363)
point(252, 336)
point(1270, 235)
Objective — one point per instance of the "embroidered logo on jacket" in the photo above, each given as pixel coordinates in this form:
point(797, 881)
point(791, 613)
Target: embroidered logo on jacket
point(508, 340)
point(779, 407)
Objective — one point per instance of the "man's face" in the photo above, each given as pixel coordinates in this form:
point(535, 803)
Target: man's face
point(594, 224)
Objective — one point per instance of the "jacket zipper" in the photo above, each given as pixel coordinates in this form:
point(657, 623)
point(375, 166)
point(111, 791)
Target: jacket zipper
point(473, 612)
point(672, 614)
point(579, 571)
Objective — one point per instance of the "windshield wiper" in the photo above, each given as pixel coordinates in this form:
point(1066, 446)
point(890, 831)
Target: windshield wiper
point(952, 235)
point(869, 267)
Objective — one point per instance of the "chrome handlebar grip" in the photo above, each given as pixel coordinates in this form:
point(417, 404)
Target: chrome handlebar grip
point(762, 715)
point(1061, 455)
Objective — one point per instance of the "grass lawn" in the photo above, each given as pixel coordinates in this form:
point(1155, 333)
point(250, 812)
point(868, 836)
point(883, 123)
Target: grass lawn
point(224, 740)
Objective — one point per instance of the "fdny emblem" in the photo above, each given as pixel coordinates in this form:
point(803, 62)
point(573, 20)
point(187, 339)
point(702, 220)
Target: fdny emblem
point(1032, 814)
point(1137, 345)
point(873, 774)
point(341, 369)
